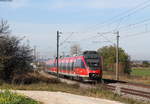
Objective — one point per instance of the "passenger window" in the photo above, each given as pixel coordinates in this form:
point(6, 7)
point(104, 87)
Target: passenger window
point(66, 66)
point(62, 66)
point(76, 64)
point(72, 65)
point(80, 64)
point(59, 65)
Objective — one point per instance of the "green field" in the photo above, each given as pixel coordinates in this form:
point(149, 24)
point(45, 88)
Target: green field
point(141, 72)
point(8, 97)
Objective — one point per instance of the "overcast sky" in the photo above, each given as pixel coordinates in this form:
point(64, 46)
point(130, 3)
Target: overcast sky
point(81, 20)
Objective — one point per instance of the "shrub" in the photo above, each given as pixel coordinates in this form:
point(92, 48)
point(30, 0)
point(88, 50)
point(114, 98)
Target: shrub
point(8, 97)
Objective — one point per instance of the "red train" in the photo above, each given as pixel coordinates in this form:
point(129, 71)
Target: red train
point(85, 67)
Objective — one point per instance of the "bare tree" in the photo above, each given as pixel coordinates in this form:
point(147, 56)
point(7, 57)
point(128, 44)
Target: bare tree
point(75, 49)
point(4, 27)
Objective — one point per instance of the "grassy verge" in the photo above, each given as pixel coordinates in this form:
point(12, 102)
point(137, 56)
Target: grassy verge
point(74, 89)
point(43, 83)
point(8, 97)
point(141, 71)
point(134, 77)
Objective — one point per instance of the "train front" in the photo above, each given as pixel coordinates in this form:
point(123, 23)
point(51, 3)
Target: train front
point(94, 65)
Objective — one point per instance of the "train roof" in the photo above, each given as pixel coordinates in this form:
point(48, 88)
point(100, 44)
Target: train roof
point(65, 59)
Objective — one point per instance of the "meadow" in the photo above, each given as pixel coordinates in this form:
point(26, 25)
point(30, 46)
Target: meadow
point(140, 71)
point(137, 75)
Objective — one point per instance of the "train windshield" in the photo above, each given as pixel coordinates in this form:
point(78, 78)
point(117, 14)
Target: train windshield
point(94, 64)
point(92, 59)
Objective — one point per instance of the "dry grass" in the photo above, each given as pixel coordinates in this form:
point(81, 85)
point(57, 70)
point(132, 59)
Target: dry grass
point(32, 78)
point(74, 89)
point(129, 78)
point(52, 84)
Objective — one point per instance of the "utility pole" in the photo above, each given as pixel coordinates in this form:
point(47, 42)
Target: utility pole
point(58, 53)
point(117, 56)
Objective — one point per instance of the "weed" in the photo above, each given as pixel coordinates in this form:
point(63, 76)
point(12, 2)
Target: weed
point(7, 97)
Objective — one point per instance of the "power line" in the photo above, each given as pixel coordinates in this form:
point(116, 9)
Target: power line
point(133, 10)
point(65, 40)
point(134, 24)
point(106, 38)
point(123, 27)
point(97, 35)
point(136, 34)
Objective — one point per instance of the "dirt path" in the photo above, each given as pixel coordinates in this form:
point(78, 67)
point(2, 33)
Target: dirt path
point(64, 98)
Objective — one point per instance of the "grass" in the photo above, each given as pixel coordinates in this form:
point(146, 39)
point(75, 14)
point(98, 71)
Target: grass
point(140, 72)
point(98, 92)
point(7, 97)
point(137, 76)
point(52, 84)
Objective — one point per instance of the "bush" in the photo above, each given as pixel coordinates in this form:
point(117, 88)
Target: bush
point(31, 78)
point(8, 97)
point(15, 57)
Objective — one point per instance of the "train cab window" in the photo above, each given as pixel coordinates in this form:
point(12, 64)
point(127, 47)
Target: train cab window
point(82, 64)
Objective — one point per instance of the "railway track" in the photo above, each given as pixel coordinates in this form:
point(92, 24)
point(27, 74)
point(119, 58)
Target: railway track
point(122, 90)
point(134, 90)
point(107, 81)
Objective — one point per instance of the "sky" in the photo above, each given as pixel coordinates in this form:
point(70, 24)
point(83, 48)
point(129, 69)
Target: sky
point(90, 23)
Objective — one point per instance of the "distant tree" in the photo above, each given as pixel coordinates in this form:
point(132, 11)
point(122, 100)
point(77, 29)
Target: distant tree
point(15, 58)
point(75, 49)
point(146, 63)
point(109, 55)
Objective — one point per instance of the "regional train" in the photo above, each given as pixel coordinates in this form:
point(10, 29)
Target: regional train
point(85, 67)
